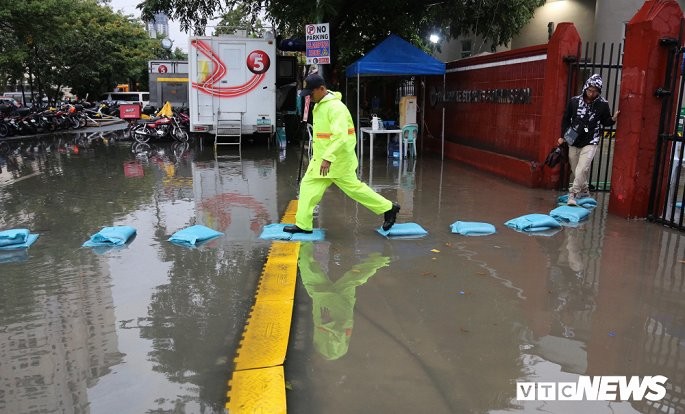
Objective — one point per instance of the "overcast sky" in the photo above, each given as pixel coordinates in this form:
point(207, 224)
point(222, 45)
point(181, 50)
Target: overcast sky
point(179, 38)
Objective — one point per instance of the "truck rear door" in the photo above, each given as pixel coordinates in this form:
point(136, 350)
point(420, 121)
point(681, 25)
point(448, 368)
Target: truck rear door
point(233, 56)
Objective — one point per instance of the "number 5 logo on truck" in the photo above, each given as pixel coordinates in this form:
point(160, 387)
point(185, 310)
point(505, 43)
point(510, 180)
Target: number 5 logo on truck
point(257, 62)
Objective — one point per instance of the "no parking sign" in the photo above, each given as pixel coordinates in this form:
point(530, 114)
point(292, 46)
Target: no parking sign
point(318, 44)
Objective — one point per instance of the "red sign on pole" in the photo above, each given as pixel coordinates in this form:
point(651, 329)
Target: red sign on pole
point(305, 112)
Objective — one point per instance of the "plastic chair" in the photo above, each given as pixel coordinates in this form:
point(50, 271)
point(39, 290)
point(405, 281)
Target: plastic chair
point(409, 135)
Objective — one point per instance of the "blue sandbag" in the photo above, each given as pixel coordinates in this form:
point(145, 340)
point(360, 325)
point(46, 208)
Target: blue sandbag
point(111, 236)
point(16, 239)
point(586, 202)
point(569, 214)
point(472, 228)
point(275, 232)
point(193, 235)
point(533, 223)
point(13, 236)
point(403, 230)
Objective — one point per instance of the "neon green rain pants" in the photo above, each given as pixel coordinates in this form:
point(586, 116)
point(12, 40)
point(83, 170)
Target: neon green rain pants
point(313, 187)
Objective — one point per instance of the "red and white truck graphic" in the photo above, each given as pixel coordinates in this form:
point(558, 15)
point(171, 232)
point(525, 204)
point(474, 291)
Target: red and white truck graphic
point(232, 77)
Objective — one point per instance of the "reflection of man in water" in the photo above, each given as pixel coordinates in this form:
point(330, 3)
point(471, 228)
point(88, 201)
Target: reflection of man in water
point(333, 302)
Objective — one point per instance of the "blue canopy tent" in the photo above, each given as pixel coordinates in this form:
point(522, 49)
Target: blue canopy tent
point(395, 56)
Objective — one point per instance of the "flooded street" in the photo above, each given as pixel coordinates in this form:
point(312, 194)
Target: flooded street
point(440, 324)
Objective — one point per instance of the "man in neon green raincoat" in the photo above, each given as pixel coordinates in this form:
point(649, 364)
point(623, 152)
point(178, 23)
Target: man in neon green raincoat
point(334, 160)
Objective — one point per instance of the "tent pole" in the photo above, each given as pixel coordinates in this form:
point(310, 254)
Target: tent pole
point(443, 117)
point(360, 138)
point(423, 111)
point(347, 84)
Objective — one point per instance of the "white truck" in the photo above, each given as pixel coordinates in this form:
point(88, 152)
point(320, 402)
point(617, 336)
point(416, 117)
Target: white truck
point(232, 86)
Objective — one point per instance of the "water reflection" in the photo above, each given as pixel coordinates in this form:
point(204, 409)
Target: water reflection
point(148, 328)
point(333, 302)
point(607, 312)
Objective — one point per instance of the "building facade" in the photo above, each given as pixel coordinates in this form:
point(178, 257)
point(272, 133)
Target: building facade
point(600, 21)
point(159, 26)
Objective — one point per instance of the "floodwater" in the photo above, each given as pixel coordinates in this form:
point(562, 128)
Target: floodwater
point(439, 324)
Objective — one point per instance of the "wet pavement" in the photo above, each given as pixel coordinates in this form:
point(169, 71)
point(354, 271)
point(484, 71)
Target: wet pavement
point(440, 324)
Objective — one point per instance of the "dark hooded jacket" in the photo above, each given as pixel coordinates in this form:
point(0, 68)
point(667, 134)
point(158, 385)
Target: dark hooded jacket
point(589, 119)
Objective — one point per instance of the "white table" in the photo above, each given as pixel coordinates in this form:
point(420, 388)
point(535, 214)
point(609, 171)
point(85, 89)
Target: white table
point(372, 132)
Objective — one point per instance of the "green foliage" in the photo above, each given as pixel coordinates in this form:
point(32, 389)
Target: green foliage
point(77, 43)
point(239, 18)
point(358, 25)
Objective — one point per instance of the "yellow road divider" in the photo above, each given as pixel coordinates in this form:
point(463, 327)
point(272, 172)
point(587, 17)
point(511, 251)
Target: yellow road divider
point(258, 383)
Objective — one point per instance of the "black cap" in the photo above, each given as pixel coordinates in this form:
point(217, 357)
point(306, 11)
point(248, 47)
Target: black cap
point(311, 82)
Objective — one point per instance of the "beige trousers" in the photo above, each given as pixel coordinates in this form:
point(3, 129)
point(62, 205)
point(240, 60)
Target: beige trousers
point(580, 160)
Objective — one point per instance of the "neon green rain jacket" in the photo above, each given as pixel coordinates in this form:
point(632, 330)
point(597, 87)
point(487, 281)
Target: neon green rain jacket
point(334, 137)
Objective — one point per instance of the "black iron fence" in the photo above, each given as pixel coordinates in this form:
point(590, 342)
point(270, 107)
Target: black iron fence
point(667, 193)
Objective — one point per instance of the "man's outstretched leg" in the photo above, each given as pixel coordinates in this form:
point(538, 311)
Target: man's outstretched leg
point(311, 191)
point(370, 199)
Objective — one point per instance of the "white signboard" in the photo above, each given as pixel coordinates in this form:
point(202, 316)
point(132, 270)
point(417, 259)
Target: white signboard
point(318, 44)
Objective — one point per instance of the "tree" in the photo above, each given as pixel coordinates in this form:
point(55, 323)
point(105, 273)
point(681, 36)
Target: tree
point(358, 25)
point(239, 18)
point(77, 43)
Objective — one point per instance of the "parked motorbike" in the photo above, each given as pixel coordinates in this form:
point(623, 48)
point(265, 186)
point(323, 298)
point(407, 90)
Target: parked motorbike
point(159, 128)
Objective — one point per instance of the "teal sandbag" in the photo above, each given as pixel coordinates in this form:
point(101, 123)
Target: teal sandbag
point(569, 214)
point(533, 223)
point(403, 230)
point(111, 236)
point(472, 228)
point(13, 236)
point(275, 232)
point(16, 239)
point(191, 236)
point(586, 202)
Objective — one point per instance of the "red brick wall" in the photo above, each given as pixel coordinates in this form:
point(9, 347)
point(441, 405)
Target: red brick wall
point(508, 139)
point(638, 123)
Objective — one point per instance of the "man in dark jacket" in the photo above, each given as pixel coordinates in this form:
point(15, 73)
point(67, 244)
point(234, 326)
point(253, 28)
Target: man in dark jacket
point(585, 117)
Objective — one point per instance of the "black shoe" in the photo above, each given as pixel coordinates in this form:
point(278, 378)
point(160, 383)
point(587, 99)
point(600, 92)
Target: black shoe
point(294, 229)
point(390, 216)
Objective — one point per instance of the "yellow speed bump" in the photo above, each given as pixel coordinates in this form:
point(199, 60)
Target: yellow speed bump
point(258, 384)
point(278, 281)
point(258, 391)
point(265, 339)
